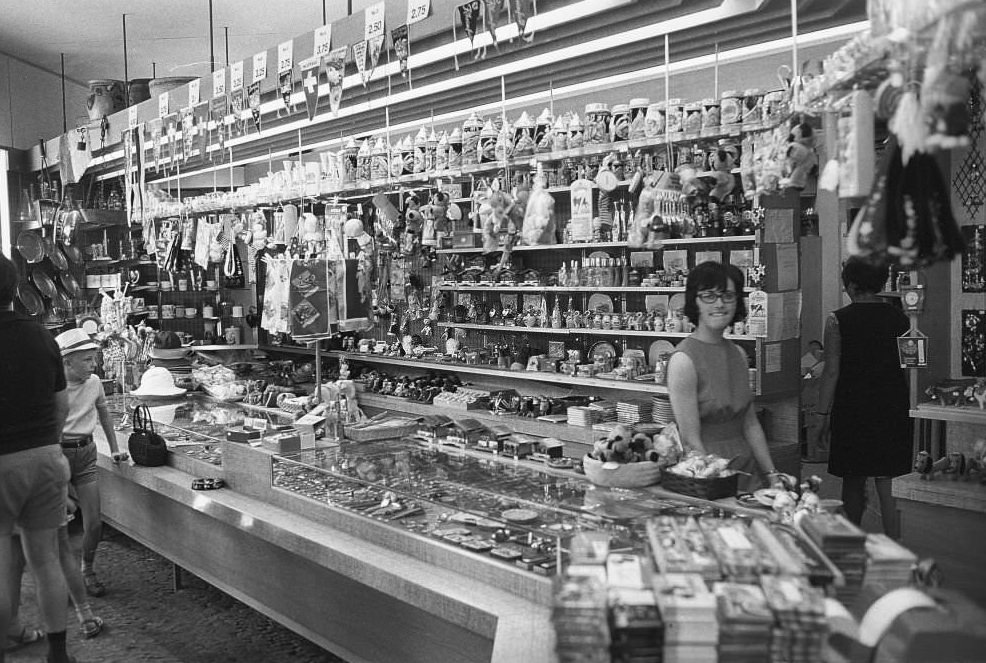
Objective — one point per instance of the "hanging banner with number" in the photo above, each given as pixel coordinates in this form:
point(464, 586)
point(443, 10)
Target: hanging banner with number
point(285, 57)
point(309, 83)
point(523, 11)
point(335, 71)
point(373, 26)
point(236, 76)
point(259, 67)
point(253, 93)
point(468, 15)
point(285, 85)
point(194, 91)
point(219, 83)
point(323, 41)
point(359, 54)
point(402, 46)
point(417, 10)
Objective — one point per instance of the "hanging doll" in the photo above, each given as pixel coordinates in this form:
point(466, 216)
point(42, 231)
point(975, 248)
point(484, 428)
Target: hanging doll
point(800, 158)
point(539, 217)
point(722, 162)
point(413, 225)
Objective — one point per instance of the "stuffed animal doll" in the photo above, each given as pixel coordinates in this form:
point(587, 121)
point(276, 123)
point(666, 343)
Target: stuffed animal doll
point(539, 218)
point(722, 162)
point(439, 204)
point(800, 158)
point(413, 225)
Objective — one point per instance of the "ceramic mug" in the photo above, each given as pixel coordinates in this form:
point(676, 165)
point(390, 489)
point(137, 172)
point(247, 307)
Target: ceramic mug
point(152, 314)
point(237, 311)
point(165, 285)
point(207, 312)
point(190, 312)
point(182, 285)
point(179, 311)
point(167, 311)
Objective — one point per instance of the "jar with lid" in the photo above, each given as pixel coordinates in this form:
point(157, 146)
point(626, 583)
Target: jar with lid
point(710, 115)
point(621, 122)
point(471, 129)
point(454, 161)
point(638, 117)
point(576, 132)
point(730, 108)
point(674, 115)
point(597, 124)
point(655, 121)
point(691, 122)
point(752, 107)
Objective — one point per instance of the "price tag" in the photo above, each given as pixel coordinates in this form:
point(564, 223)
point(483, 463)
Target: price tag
point(285, 57)
point(236, 75)
point(417, 10)
point(219, 83)
point(323, 40)
point(256, 423)
point(194, 89)
point(132, 117)
point(374, 21)
point(162, 104)
point(259, 67)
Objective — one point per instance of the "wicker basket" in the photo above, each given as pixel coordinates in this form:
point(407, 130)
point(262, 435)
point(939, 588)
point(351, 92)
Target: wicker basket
point(627, 475)
point(707, 489)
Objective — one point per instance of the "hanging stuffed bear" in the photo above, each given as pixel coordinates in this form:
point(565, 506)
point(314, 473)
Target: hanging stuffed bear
point(413, 225)
point(722, 162)
point(800, 158)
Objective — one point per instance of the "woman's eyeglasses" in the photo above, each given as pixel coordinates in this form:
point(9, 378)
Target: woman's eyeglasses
point(710, 296)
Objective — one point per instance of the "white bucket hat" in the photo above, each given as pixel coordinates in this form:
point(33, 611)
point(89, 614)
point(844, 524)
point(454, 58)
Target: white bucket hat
point(157, 381)
point(75, 340)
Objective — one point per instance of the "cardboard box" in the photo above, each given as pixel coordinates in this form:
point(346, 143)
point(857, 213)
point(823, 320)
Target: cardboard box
point(283, 443)
point(242, 434)
point(465, 240)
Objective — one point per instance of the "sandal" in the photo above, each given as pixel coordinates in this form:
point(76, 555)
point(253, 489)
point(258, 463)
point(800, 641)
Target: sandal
point(27, 636)
point(91, 627)
point(93, 586)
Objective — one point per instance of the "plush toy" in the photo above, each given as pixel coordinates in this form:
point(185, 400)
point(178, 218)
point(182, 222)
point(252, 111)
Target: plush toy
point(800, 158)
point(539, 217)
point(722, 162)
point(439, 204)
point(258, 230)
point(497, 221)
point(358, 241)
point(413, 225)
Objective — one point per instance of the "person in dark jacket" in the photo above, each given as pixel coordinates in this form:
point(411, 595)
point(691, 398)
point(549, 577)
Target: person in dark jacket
point(33, 470)
point(863, 396)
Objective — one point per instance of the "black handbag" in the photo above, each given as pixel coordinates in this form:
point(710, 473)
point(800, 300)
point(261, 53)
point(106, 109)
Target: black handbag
point(146, 447)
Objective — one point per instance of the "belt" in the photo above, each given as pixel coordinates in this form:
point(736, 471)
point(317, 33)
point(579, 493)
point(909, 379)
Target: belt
point(77, 443)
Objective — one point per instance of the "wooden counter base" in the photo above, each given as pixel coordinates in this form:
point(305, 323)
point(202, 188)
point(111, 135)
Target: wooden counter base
point(358, 600)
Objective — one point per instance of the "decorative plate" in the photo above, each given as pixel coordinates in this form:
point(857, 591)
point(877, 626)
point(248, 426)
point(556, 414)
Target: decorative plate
point(30, 246)
point(601, 302)
point(656, 348)
point(89, 323)
point(677, 302)
point(43, 282)
point(30, 299)
point(600, 254)
point(602, 349)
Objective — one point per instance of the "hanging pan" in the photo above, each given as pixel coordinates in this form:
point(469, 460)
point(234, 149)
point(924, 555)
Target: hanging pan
point(60, 302)
point(70, 284)
point(57, 258)
point(73, 253)
point(30, 246)
point(43, 282)
point(30, 299)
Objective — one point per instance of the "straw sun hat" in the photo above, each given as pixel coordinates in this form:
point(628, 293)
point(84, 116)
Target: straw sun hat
point(157, 382)
point(75, 340)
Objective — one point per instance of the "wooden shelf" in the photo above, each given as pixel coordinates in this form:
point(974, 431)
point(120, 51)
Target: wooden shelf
point(216, 348)
point(521, 329)
point(531, 376)
point(455, 287)
point(591, 246)
point(957, 414)
point(504, 328)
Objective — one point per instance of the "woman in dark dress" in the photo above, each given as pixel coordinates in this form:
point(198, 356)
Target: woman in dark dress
point(864, 393)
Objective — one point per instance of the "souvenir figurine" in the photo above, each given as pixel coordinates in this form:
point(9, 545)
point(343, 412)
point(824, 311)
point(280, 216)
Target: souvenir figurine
point(927, 467)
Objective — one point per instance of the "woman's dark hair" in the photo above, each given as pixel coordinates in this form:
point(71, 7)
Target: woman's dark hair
point(865, 276)
point(713, 276)
point(8, 281)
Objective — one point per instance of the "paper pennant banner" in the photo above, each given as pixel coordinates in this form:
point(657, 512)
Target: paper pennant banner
point(309, 83)
point(493, 10)
point(236, 104)
point(374, 46)
point(285, 85)
point(335, 71)
point(217, 111)
point(359, 54)
point(468, 14)
point(402, 46)
point(156, 144)
point(253, 94)
point(523, 11)
point(188, 131)
point(202, 128)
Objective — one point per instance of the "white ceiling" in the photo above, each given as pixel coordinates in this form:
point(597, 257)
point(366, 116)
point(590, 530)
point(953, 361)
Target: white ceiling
point(171, 35)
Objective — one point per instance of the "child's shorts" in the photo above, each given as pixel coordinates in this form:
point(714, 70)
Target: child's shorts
point(81, 459)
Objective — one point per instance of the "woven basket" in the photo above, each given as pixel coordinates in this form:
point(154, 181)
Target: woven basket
point(626, 475)
point(707, 489)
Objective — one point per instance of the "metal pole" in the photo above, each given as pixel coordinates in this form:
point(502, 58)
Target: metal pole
point(212, 42)
point(795, 67)
point(226, 37)
point(349, 7)
point(64, 116)
point(126, 72)
point(324, 16)
point(154, 70)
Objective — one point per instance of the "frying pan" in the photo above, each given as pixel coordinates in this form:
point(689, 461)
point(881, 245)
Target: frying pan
point(30, 299)
point(30, 246)
point(60, 301)
point(58, 258)
point(73, 253)
point(43, 282)
point(69, 283)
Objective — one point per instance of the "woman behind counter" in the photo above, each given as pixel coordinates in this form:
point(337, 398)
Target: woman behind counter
point(708, 377)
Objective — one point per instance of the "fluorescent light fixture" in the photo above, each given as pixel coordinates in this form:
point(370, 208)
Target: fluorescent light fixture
point(5, 219)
